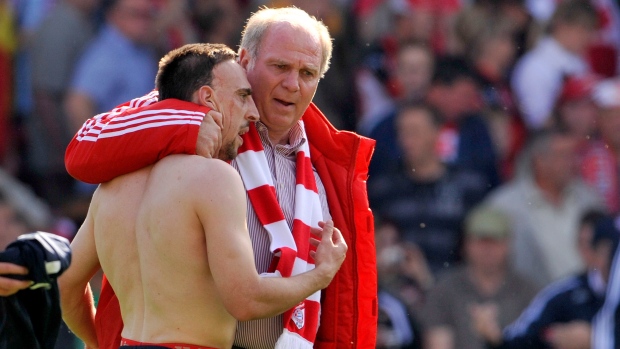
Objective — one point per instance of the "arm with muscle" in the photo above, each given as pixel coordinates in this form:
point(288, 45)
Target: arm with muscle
point(137, 134)
point(76, 298)
point(220, 203)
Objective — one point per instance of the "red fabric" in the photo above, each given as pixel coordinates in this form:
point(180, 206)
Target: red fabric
point(93, 156)
point(6, 80)
point(602, 58)
point(599, 168)
point(125, 341)
point(349, 304)
point(108, 321)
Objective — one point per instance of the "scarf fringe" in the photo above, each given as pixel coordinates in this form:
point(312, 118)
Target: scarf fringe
point(289, 340)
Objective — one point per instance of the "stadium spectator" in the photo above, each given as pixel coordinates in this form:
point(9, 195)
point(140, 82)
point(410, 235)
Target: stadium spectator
point(538, 76)
point(118, 65)
point(601, 160)
point(545, 201)
point(486, 283)
point(561, 314)
point(425, 198)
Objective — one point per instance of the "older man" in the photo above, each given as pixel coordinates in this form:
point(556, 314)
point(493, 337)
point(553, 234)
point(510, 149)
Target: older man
point(285, 52)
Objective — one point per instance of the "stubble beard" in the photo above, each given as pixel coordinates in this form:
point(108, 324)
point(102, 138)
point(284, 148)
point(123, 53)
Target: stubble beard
point(229, 151)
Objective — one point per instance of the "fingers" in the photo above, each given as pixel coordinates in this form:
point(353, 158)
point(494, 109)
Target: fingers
point(10, 268)
point(328, 231)
point(209, 139)
point(217, 117)
point(10, 286)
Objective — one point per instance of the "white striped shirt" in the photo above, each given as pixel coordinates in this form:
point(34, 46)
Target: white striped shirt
point(263, 333)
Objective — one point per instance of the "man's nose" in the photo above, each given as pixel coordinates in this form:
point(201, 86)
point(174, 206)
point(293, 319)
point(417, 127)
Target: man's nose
point(252, 113)
point(291, 81)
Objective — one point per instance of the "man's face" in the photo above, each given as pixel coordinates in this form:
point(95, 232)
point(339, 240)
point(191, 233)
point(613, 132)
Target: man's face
point(135, 19)
point(414, 71)
point(559, 161)
point(487, 254)
point(455, 100)
point(284, 76)
point(233, 95)
point(609, 126)
point(417, 135)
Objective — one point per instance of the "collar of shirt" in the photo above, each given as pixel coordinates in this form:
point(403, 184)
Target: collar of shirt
point(296, 139)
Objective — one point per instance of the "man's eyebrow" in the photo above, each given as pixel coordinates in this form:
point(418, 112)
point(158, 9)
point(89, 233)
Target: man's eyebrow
point(244, 91)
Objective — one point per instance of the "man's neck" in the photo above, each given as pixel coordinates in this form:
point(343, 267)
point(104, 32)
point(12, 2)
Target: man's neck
point(279, 137)
point(487, 282)
point(426, 170)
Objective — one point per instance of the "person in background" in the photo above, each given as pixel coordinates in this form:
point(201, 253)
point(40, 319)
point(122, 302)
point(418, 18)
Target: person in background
point(426, 199)
point(381, 89)
point(560, 315)
point(606, 323)
point(600, 166)
point(404, 278)
point(545, 200)
point(55, 49)
point(464, 138)
point(538, 76)
point(575, 111)
point(489, 46)
point(119, 64)
point(486, 283)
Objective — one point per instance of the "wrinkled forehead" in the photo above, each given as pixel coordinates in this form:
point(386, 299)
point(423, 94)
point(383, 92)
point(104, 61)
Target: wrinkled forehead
point(293, 37)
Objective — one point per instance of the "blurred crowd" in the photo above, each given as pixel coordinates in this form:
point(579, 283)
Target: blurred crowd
point(497, 125)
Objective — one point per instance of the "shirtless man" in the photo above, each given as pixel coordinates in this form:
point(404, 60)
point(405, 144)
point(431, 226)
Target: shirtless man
point(174, 242)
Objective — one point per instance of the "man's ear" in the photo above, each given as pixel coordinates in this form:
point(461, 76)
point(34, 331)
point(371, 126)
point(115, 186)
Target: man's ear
point(206, 96)
point(244, 58)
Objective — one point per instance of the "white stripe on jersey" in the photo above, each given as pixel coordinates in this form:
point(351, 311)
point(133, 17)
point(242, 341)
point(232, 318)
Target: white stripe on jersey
point(535, 308)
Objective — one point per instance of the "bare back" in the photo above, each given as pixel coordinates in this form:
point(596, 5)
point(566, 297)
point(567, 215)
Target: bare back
point(152, 246)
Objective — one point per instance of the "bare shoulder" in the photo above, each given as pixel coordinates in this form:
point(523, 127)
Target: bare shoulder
point(199, 172)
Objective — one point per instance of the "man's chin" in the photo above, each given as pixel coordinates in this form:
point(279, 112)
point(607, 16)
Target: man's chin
point(229, 152)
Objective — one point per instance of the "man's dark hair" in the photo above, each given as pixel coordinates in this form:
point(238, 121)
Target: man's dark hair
point(433, 114)
point(184, 70)
point(450, 69)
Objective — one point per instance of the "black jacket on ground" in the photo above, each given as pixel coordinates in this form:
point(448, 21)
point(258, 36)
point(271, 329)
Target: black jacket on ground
point(31, 317)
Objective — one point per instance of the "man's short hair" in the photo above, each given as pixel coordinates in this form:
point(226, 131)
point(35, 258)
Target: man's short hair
point(432, 113)
point(575, 12)
point(258, 24)
point(539, 142)
point(184, 70)
point(450, 69)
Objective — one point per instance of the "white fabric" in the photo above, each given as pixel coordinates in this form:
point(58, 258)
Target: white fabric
point(538, 77)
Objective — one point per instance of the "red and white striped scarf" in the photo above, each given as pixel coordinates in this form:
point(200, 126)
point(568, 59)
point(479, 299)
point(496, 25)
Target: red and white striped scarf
point(291, 250)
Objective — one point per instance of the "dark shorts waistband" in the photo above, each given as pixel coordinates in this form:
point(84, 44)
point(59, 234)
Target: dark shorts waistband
point(131, 344)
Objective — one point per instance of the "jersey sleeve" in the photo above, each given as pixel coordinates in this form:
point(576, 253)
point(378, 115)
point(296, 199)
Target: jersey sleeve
point(132, 136)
